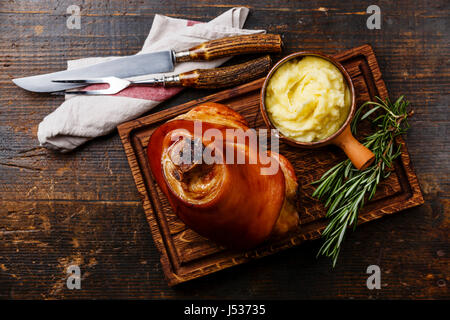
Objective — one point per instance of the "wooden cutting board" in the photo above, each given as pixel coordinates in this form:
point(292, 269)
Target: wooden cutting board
point(185, 255)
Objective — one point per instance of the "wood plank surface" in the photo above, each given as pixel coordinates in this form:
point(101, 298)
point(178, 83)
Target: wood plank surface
point(47, 200)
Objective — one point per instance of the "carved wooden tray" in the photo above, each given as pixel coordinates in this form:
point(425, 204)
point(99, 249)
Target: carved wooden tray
point(184, 254)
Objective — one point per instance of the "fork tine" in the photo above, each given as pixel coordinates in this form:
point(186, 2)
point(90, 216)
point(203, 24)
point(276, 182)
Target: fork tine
point(84, 81)
point(115, 85)
point(87, 81)
point(89, 92)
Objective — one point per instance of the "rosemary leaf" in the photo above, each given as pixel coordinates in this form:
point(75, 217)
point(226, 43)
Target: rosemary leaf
point(344, 189)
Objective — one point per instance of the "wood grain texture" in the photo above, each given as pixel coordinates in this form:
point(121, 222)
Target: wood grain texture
point(185, 255)
point(87, 203)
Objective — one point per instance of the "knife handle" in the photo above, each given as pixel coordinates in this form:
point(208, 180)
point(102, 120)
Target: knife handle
point(231, 46)
point(225, 76)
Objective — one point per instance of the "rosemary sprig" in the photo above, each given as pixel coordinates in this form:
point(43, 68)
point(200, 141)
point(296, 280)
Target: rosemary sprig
point(344, 189)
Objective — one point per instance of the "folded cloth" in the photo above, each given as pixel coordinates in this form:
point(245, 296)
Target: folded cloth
point(81, 118)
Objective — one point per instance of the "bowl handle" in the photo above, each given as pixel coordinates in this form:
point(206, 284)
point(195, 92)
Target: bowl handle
point(359, 155)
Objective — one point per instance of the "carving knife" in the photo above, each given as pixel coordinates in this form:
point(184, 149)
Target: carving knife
point(156, 62)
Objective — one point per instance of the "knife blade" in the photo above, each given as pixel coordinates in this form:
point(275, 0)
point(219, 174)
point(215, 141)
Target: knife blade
point(136, 65)
point(156, 62)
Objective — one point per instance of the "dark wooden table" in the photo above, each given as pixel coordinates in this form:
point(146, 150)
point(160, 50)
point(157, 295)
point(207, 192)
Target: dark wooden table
point(82, 208)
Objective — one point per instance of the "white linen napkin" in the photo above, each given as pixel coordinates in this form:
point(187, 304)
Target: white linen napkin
point(82, 118)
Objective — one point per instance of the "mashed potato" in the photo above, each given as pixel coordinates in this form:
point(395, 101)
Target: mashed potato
point(308, 99)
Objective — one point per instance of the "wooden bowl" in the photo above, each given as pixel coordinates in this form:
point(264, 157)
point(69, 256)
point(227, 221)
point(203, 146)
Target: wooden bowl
point(360, 156)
